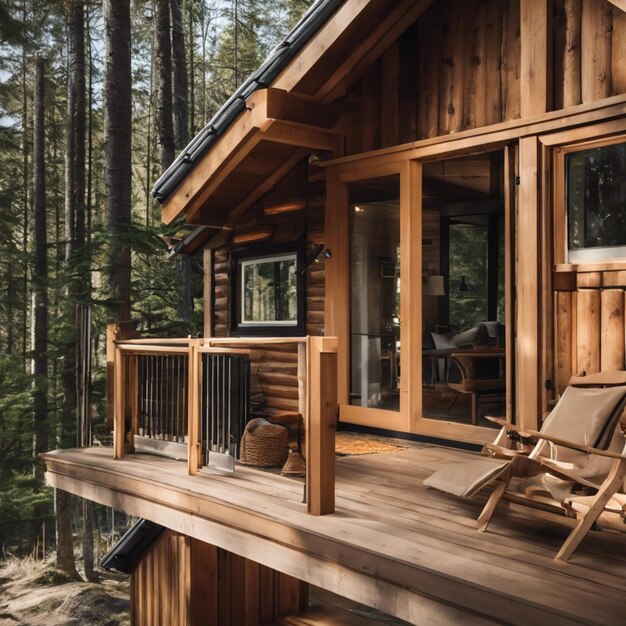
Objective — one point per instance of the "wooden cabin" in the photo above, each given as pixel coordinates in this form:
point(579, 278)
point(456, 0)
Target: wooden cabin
point(424, 202)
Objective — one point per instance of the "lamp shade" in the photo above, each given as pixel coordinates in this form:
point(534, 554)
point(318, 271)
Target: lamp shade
point(434, 286)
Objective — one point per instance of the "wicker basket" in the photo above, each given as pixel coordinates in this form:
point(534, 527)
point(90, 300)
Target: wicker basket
point(264, 444)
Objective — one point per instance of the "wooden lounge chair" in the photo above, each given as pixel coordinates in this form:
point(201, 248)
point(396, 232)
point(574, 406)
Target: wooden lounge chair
point(580, 447)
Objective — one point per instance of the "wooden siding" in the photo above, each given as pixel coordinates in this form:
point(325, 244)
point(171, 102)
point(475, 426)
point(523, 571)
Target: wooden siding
point(589, 324)
point(458, 67)
point(188, 582)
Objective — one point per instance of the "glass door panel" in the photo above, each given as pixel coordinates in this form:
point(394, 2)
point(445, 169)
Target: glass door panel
point(375, 293)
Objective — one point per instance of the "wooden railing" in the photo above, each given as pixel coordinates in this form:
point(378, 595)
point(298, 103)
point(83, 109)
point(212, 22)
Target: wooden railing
point(162, 400)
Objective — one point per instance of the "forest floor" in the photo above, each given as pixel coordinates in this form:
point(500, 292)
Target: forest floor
point(33, 593)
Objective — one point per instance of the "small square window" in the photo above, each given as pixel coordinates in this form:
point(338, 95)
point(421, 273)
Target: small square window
point(596, 203)
point(267, 292)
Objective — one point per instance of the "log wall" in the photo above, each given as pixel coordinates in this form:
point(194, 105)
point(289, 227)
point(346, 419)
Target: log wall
point(188, 582)
point(274, 382)
point(458, 68)
point(589, 323)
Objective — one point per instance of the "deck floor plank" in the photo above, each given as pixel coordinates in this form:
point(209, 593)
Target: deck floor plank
point(389, 524)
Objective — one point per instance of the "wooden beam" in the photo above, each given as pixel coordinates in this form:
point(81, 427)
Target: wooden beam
point(194, 454)
point(267, 185)
point(300, 135)
point(119, 416)
point(322, 425)
point(328, 35)
point(337, 270)
point(242, 136)
point(402, 15)
point(535, 41)
point(527, 358)
point(411, 296)
point(620, 4)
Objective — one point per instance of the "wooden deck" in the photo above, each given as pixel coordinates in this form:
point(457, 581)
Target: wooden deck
point(393, 545)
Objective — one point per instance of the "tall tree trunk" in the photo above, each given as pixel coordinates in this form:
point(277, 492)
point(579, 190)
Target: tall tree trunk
point(192, 74)
point(180, 82)
point(25, 187)
point(184, 270)
point(117, 149)
point(40, 277)
point(164, 66)
point(65, 546)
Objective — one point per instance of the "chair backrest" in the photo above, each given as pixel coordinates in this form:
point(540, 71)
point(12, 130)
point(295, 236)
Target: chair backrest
point(587, 413)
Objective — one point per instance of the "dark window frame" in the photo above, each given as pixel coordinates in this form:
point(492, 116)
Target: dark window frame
point(237, 329)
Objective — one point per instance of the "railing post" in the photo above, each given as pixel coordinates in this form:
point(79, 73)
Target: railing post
point(194, 457)
point(119, 412)
point(321, 420)
point(113, 331)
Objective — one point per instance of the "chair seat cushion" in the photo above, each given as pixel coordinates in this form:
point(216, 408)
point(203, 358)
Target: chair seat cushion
point(466, 479)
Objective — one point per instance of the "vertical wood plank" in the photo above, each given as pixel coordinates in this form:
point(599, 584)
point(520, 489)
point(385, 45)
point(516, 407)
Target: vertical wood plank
point(510, 204)
point(411, 293)
point(527, 365)
point(237, 590)
point(534, 19)
point(119, 435)
point(563, 339)
point(452, 80)
point(612, 330)
point(337, 300)
point(322, 424)
point(266, 595)
point(223, 586)
point(429, 40)
point(572, 94)
point(302, 381)
point(207, 263)
point(194, 457)
point(113, 331)
point(370, 108)
point(252, 607)
point(588, 332)
point(618, 50)
point(408, 83)
point(288, 595)
point(510, 60)
point(475, 67)
point(389, 104)
point(597, 24)
point(493, 45)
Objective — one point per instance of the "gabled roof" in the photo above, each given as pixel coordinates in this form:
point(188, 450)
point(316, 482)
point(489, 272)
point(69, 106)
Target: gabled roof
point(285, 112)
point(310, 23)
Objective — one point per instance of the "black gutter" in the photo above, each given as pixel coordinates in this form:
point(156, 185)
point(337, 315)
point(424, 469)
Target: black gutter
point(127, 552)
point(262, 78)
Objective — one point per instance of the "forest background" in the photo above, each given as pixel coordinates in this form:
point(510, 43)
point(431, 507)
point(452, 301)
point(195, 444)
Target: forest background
point(96, 98)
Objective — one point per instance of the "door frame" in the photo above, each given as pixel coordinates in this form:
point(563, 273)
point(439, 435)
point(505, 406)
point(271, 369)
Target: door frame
point(337, 302)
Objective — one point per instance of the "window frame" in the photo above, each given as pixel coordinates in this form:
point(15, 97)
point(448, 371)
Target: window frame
point(563, 255)
point(243, 255)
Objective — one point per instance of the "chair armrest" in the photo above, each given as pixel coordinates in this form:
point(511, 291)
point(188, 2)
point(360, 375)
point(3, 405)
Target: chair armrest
point(557, 440)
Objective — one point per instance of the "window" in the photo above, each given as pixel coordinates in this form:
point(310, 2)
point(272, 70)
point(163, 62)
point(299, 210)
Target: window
point(267, 292)
point(595, 202)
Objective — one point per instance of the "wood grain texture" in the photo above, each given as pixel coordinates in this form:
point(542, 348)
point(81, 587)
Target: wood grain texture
point(596, 36)
point(588, 331)
point(612, 330)
point(409, 551)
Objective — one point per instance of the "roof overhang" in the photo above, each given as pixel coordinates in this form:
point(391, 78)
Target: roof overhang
point(222, 174)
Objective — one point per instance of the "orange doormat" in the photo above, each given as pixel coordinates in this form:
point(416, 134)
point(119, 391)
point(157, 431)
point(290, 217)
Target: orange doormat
point(348, 445)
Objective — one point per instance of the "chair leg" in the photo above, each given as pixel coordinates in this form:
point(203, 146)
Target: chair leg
point(609, 487)
point(485, 517)
point(474, 409)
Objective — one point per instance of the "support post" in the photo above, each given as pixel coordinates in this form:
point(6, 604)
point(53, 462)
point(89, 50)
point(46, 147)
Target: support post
point(194, 457)
point(321, 424)
point(119, 413)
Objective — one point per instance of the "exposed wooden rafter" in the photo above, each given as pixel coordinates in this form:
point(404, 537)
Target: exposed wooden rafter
point(270, 115)
point(620, 4)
